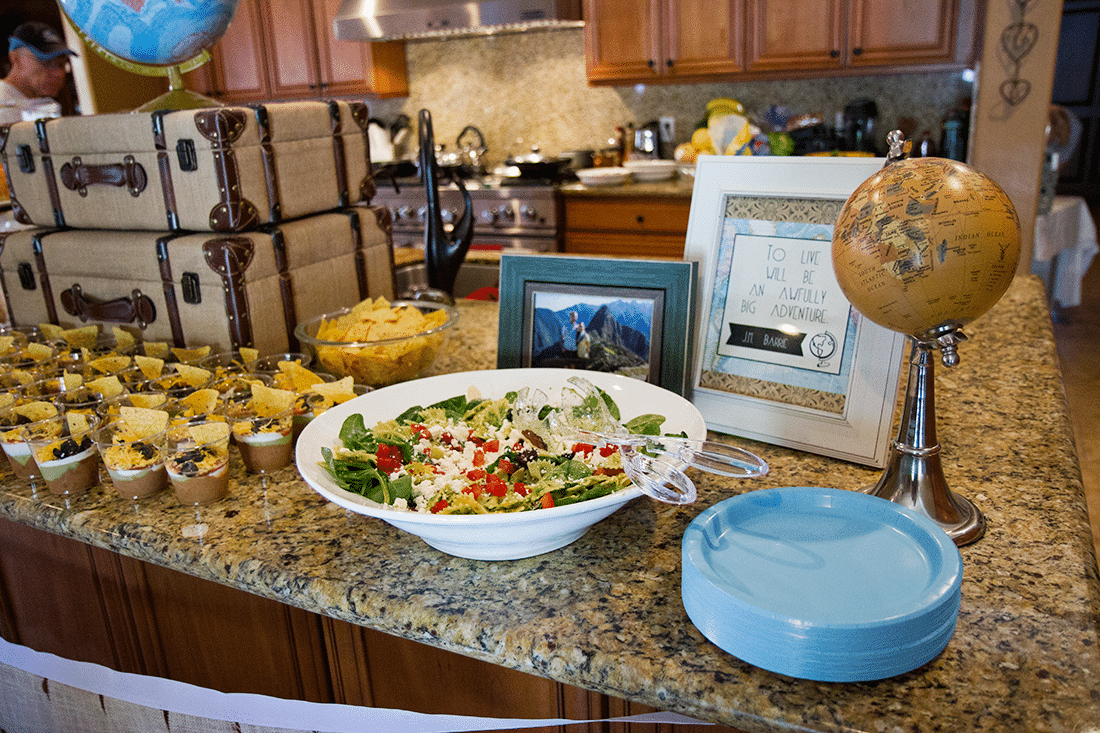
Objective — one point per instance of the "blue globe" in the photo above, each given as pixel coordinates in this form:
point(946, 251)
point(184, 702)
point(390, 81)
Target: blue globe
point(153, 32)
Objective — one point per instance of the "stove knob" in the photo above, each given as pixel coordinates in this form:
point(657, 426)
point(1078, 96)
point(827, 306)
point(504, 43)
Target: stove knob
point(421, 214)
point(448, 216)
point(489, 216)
point(403, 213)
point(507, 212)
point(528, 212)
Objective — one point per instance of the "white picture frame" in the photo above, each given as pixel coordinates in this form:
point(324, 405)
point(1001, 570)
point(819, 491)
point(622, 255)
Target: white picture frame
point(761, 320)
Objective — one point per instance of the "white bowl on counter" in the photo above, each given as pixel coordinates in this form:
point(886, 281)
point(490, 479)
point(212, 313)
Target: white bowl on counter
point(603, 176)
point(652, 170)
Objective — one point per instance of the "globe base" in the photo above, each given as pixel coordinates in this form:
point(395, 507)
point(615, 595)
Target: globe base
point(175, 99)
point(914, 473)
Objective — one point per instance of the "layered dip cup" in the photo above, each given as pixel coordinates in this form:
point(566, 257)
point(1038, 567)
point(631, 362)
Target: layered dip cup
point(265, 441)
point(197, 461)
point(65, 452)
point(134, 462)
point(13, 418)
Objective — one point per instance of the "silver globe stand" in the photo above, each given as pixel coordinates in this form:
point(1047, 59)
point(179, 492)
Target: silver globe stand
point(914, 475)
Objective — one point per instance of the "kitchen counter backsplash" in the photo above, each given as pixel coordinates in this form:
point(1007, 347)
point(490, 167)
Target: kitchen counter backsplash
point(530, 89)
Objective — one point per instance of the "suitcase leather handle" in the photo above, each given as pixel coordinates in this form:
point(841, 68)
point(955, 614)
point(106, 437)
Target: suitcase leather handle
point(127, 309)
point(76, 176)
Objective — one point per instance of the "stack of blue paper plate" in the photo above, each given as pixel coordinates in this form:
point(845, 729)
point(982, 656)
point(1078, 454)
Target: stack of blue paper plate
point(822, 584)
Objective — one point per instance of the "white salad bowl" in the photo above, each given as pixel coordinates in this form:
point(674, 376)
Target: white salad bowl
point(506, 536)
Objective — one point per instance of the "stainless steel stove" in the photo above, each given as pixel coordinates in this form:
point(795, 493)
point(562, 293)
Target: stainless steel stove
point(508, 216)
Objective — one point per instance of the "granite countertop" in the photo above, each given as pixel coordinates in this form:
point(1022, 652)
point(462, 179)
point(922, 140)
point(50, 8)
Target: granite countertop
point(604, 613)
point(677, 187)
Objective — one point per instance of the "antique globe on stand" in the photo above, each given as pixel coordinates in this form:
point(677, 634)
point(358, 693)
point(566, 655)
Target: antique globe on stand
point(154, 38)
point(924, 247)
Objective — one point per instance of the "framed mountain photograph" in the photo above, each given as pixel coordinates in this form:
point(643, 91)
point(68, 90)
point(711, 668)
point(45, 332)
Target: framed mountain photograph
point(624, 316)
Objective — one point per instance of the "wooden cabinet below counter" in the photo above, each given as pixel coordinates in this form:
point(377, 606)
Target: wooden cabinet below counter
point(626, 226)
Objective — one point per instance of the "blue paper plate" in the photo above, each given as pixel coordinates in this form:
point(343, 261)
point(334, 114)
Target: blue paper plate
point(821, 584)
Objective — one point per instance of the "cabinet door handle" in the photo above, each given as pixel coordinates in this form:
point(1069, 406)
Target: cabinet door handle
point(641, 219)
point(857, 51)
point(834, 54)
point(651, 63)
point(668, 63)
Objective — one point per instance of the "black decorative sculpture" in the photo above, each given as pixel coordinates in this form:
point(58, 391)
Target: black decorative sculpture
point(443, 251)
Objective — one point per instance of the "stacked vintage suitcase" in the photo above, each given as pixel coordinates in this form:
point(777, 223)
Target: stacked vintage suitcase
point(223, 226)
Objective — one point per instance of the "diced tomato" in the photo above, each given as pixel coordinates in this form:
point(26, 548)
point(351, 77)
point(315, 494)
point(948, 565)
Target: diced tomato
point(476, 489)
point(547, 501)
point(491, 446)
point(506, 467)
point(495, 485)
point(520, 488)
point(439, 506)
point(583, 448)
point(421, 432)
point(479, 458)
point(608, 450)
point(475, 474)
point(388, 457)
point(447, 439)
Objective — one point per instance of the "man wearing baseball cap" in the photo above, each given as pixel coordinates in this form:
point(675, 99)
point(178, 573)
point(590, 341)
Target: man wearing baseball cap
point(39, 62)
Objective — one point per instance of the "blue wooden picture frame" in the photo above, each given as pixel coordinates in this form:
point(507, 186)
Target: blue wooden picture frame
point(529, 280)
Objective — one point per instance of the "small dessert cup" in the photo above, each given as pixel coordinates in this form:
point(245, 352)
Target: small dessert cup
point(197, 461)
point(135, 464)
point(18, 452)
point(65, 452)
point(226, 363)
point(81, 399)
point(265, 441)
point(270, 364)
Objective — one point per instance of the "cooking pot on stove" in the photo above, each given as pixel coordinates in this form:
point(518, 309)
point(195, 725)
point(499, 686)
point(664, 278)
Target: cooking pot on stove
point(536, 165)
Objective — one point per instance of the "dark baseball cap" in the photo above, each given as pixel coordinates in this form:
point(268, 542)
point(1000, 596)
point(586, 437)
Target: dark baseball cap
point(42, 40)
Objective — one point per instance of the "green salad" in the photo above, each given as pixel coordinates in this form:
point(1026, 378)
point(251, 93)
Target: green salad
point(468, 455)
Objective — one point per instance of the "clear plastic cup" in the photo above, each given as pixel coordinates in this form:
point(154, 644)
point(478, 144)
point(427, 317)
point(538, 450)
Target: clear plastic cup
point(67, 456)
point(265, 441)
point(197, 461)
point(135, 465)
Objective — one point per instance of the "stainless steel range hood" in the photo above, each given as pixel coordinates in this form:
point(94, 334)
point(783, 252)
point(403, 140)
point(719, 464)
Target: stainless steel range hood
point(383, 20)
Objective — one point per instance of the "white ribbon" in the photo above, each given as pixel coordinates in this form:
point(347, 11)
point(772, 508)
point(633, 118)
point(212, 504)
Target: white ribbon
point(257, 710)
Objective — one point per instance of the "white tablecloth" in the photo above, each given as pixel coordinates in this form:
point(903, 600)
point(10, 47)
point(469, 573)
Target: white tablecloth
point(1065, 243)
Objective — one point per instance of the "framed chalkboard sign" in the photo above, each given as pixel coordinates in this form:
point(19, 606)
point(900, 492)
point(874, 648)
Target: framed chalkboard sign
point(627, 316)
point(781, 356)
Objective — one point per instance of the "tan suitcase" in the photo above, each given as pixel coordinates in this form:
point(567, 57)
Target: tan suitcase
point(226, 290)
point(224, 169)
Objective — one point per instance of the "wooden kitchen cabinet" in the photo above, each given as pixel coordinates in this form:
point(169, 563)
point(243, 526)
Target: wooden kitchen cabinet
point(670, 41)
point(661, 40)
point(796, 35)
point(627, 226)
point(286, 49)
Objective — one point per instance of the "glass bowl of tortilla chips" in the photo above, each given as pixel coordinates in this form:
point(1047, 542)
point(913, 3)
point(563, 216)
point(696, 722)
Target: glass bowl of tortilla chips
point(378, 342)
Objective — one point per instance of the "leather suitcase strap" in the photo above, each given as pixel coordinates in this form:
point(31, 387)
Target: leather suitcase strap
point(339, 155)
point(222, 127)
point(43, 275)
point(48, 172)
point(164, 169)
point(286, 289)
point(78, 176)
point(360, 258)
point(3, 241)
point(267, 155)
point(135, 308)
point(361, 114)
point(230, 257)
point(169, 283)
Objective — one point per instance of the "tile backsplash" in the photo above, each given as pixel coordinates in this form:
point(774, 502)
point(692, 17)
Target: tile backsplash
point(530, 89)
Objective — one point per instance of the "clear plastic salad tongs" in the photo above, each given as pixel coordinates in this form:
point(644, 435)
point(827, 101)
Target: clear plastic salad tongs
point(649, 460)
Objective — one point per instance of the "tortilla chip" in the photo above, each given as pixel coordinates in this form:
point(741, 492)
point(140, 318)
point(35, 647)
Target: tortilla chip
point(123, 338)
point(107, 386)
point(150, 400)
point(78, 423)
point(300, 377)
point(143, 422)
point(194, 354)
point(6, 344)
point(267, 401)
point(109, 364)
point(157, 349)
point(339, 391)
point(150, 366)
point(7, 399)
point(35, 411)
point(51, 331)
point(248, 354)
point(71, 381)
point(38, 352)
point(202, 401)
point(193, 375)
point(85, 336)
point(211, 432)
